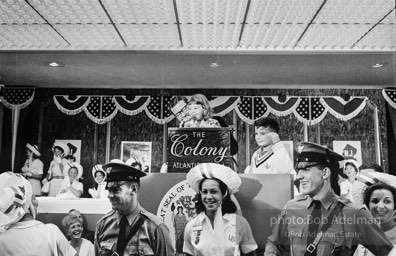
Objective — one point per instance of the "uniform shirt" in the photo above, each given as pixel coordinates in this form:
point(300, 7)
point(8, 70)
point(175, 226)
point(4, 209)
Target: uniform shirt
point(353, 226)
point(275, 161)
point(34, 238)
point(152, 238)
point(200, 240)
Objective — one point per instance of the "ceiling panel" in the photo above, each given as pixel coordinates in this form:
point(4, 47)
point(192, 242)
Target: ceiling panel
point(210, 37)
point(335, 37)
point(272, 37)
point(367, 12)
point(150, 36)
point(87, 36)
point(209, 12)
point(39, 36)
point(140, 11)
point(262, 25)
point(174, 42)
point(282, 11)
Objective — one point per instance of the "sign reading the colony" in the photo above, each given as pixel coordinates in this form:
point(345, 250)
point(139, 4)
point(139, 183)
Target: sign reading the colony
point(189, 146)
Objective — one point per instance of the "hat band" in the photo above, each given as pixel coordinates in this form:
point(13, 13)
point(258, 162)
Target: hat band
point(319, 160)
point(367, 179)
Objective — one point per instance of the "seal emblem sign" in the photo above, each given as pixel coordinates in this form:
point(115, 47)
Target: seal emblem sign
point(177, 207)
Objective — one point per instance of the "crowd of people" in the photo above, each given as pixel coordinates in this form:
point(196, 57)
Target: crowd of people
point(335, 211)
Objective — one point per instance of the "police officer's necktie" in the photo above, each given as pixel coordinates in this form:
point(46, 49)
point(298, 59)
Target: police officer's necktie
point(314, 224)
point(121, 242)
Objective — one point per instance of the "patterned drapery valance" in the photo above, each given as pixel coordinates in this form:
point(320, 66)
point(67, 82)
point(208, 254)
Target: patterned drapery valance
point(17, 97)
point(308, 109)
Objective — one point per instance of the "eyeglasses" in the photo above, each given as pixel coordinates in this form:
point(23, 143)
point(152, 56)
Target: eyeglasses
point(182, 111)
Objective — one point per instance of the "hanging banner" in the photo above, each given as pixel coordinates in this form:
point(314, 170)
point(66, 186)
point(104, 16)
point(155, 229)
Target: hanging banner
point(187, 147)
point(390, 96)
point(307, 109)
point(17, 98)
point(158, 109)
point(281, 108)
point(250, 109)
point(310, 110)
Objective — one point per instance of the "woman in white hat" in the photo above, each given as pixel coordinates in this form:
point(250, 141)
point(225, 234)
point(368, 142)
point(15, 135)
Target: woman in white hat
point(217, 230)
point(351, 170)
point(71, 187)
point(33, 168)
point(20, 233)
point(99, 176)
point(55, 172)
point(378, 193)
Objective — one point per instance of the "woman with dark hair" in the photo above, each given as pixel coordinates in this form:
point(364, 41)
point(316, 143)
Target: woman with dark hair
point(378, 192)
point(99, 175)
point(351, 171)
point(217, 230)
point(33, 168)
point(55, 173)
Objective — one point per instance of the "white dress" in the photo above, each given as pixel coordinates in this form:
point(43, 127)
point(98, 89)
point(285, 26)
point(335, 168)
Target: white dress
point(34, 167)
point(68, 194)
point(200, 237)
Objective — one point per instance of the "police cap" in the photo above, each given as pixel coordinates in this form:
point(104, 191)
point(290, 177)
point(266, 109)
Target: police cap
point(308, 152)
point(117, 170)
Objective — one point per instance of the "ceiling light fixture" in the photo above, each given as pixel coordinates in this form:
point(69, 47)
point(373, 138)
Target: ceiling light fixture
point(379, 65)
point(53, 64)
point(214, 65)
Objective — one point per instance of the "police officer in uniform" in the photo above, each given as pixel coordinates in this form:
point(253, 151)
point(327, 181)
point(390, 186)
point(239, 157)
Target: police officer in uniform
point(318, 222)
point(129, 229)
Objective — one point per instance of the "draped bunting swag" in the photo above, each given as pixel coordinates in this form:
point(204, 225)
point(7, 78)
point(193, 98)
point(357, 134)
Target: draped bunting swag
point(17, 98)
point(390, 96)
point(307, 109)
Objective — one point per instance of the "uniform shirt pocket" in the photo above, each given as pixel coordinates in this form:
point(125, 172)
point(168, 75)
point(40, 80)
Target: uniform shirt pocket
point(141, 250)
point(106, 249)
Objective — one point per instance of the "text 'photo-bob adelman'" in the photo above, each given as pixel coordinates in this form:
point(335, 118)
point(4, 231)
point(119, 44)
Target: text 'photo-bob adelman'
point(319, 222)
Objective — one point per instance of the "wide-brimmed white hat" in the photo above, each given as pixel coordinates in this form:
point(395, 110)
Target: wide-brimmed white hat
point(34, 149)
point(98, 168)
point(365, 180)
point(62, 145)
point(211, 171)
point(67, 167)
point(15, 199)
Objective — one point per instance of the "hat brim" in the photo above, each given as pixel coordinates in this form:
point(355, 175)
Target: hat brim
point(67, 167)
point(364, 181)
point(63, 146)
point(213, 171)
point(33, 149)
point(134, 172)
point(99, 169)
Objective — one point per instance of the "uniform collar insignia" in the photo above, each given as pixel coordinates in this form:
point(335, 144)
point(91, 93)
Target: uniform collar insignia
point(300, 149)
